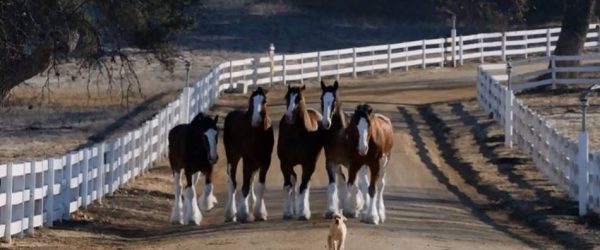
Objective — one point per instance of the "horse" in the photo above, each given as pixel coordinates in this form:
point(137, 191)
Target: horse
point(248, 135)
point(193, 150)
point(299, 143)
point(334, 124)
point(372, 138)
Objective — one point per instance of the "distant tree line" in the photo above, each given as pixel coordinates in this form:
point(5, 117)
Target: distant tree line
point(485, 13)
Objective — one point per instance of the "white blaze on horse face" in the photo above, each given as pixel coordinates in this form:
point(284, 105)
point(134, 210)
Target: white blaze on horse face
point(363, 133)
point(291, 106)
point(211, 135)
point(327, 103)
point(257, 108)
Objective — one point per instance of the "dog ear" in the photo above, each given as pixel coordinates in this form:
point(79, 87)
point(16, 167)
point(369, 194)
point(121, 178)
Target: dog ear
point(344, 219)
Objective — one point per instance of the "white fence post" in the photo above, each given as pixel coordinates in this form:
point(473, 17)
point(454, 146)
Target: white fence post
point(283, 71)
point(508, 119)
point(68, 171)
point(319, 66)
point(460, 47)
point(337, 66)
point(101, 172)
point(255, 71)
point(31, 204)
point(84, 189)
point(553, 68)
point(442, 54)
point(7, 211)
point(423, 55)
point(230, 73)
point(353, 62)
point(598, 37)
point(526, 45)
point(389, 58)
point(50, 194)
point(272, 59)
point(405, 58)
point(481, 57)
point(548, 43)
point(504, 46)
point(372, 63)
point(453, 34)
point(583, 161)
point(302, 69)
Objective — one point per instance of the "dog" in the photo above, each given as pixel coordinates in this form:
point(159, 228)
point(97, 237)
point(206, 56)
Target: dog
point(337, 233)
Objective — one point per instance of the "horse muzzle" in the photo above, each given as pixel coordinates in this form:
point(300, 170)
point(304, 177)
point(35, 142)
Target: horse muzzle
point(362, 151)
point(213, 160)
point(326, 124)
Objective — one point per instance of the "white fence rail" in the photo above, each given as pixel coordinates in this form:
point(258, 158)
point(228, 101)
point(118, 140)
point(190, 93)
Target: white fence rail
point(37, 193)
point(566, 162)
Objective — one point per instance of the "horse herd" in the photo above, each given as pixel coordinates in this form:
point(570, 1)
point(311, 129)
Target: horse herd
point(361, 142)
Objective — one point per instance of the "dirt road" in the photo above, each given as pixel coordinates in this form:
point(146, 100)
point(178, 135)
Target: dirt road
point(450, 185)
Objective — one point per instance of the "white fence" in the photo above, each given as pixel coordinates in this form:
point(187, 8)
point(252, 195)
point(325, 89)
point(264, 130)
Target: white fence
point(37, 193)
point(566, 162)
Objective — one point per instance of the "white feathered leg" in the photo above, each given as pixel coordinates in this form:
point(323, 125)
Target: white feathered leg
point(332, 195)
point(177, 213)
point(380, 188)
point(230, 207)
point(190, 201)
point(303, 204)
point(260, 210)
point(289, 195)
point(208, 199)
point(342, 189)
point(372, 215)
point(363, 175)
point(354, 201)
point(242, 215)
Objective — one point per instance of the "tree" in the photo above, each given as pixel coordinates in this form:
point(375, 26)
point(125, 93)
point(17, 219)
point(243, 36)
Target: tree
point(37, 34)
point(575, 23)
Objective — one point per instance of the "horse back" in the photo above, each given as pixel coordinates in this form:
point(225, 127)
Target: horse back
point(383, 133)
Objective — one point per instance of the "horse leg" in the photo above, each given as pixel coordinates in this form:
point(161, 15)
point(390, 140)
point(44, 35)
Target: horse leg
point(242, 215)
point(230, 207)
point(289, 184)
point(363, 185)
point(303, 202)
point(332, 191)
point(208, 199)
point(342, 188)
point(354, 199)
point(190, 201)
point(177, 213)
point(372, 215)
point(380, 187)
point(260, 210)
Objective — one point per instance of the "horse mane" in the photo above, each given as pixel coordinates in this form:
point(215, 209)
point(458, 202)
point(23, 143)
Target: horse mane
point(340, 113)
point(312, 118)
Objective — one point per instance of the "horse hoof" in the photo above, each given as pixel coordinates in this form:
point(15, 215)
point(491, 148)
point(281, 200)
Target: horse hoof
point(303, 217)
point(287, 217)
point(350, 215)
point(260, 218)
point(329, 215)
point(371, 220)
point(230, 219)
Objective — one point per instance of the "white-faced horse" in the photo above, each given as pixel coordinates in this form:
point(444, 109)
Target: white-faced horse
point(248, 135)
point(193, 151)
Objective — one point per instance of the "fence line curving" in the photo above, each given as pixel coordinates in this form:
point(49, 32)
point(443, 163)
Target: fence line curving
point(40, 192)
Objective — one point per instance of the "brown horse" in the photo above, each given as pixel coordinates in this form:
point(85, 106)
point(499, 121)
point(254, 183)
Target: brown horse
point(193, 148)
point(372, 138)
point(248, 135)
point(337, 152)
point(299, 142)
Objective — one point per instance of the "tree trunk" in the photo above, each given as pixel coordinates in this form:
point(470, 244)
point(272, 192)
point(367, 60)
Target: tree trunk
point(575, 23)
point(15, 71)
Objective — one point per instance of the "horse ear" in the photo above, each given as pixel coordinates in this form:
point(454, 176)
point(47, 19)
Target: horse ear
point(303, 87)
point(369, 109)
point(259, 89)
point(335, 85)
point(322, 85)
point(216, 119)
point(289, 87)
